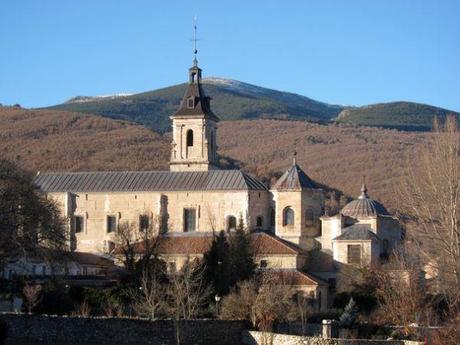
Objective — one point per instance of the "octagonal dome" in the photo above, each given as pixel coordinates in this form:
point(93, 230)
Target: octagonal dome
point(364, 206)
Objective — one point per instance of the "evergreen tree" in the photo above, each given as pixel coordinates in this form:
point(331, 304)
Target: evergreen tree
point(242, 263)
point(349, 316)
point(217, 264)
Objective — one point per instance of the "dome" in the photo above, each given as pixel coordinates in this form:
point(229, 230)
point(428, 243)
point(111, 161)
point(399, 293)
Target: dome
point(364, 206)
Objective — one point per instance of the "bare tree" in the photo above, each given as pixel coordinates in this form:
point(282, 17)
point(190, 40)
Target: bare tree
point(186, 294)
point(32, 296)
point(401, 293)
point(137, 241)
point(431, 200)
point(304, 310)
point(150, 296)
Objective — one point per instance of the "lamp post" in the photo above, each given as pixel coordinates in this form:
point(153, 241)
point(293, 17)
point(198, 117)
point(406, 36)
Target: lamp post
point(217, 298)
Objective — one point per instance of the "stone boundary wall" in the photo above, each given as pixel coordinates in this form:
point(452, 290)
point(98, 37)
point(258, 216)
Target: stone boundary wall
point(261, 338)
point(54, 330)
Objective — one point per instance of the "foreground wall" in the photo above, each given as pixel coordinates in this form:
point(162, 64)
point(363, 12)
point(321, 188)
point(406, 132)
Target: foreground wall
point(265, 338)
point(54, 330)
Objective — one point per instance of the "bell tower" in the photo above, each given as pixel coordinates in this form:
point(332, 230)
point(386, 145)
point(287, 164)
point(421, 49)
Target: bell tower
point(194, 127)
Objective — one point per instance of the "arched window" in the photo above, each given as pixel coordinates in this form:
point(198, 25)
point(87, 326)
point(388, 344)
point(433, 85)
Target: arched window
point(288, 216)
point(309, 217)
point(231, 223)
point(189, 138)
point(259, 221)
point(272, 217)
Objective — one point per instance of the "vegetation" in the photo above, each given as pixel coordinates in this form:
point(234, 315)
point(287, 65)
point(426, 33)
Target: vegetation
point(63, 141)
point(231, 102)
point(400, 115)
point(30, 224)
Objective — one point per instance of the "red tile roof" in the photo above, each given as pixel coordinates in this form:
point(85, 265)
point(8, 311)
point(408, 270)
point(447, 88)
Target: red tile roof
point(295, 277)
point(199, 243)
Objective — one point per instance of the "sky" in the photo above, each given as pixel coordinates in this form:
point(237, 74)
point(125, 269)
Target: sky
point(352, 52)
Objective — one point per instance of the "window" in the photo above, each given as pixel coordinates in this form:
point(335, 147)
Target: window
point(231, 223)
point(144, 222)
point(190, 103)
point(79, 224)
point(354, 253)
point(263, 263)
point(189, 219)
point(111, 223)
point(309, 217)
point(259, 221)
point(288, 216)
point(385, 246)
point(189, 138)
point(272, 217)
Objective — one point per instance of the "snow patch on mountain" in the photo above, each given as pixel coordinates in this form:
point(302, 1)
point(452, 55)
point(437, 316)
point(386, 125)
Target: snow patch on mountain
point(85, 99)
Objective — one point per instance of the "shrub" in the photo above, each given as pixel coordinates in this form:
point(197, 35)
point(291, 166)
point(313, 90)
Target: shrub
point(3, 331)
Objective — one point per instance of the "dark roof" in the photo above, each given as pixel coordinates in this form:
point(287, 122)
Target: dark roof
point(84, 258)
point(364, 206)
point(294, 179)
point(358, 232)
point(146, 181)
point(202, 103)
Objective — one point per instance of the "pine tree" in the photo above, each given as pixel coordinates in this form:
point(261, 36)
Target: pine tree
point(349, 316)
point(242, 263)
point(217, 264)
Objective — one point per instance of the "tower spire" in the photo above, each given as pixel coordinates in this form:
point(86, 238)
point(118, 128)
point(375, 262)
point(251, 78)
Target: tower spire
point(195, 39)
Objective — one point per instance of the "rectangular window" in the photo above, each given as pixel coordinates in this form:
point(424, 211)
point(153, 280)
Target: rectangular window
point(263, 263)
point(354, 254)
point(143, 222)
point(189, 219)
point(111, 223)
point(79, 224)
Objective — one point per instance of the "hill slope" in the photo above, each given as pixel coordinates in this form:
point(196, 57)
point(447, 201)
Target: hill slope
point(232, 100)
point(335, 155)
point(400, 115)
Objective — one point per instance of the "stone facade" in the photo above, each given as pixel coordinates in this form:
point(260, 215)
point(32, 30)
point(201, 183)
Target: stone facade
point(264, 338)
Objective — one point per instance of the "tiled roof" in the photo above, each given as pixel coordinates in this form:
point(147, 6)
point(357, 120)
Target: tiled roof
point(358, 232)
point(294, 179)
point(89, 259)
point(295, 277)
point(198, 243)
point(146, 181)
point(364, 206)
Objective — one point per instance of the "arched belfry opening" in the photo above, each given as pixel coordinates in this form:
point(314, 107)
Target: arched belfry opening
point(189, 138)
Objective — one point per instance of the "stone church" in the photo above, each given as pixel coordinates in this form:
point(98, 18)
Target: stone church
point(196, 198)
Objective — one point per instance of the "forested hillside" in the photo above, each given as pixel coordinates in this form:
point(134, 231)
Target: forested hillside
point(335, 155)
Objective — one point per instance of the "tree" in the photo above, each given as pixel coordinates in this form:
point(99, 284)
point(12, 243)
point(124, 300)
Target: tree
point(431, 201)
point(401, 295)
point(241, 257)
point(150, 297)
point(31, 295)
point(137, 242)
point(216, 265)
point(349, 316)
point(30, 224)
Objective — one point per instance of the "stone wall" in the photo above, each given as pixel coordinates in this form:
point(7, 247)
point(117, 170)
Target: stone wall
point(261, 338)
point(54, 330)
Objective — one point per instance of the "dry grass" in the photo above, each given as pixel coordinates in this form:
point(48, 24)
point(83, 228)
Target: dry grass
point(335, 155)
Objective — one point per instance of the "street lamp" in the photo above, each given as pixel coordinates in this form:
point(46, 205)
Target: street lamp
point(217, 298)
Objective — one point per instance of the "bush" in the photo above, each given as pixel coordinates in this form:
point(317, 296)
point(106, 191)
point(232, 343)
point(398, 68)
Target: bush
point(56, 298)
point(3, 331)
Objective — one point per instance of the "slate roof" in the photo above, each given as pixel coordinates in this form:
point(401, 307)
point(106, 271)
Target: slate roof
point(357, 232)
point(294, 179)
point(364, 206)
point(202, 103)
point(147, 181)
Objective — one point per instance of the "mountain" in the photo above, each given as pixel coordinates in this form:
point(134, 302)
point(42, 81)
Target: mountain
point(333, 154)
point(399, 115)
point(232, 100)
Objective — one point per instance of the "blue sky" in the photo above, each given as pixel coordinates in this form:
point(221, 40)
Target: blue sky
point(345, 52)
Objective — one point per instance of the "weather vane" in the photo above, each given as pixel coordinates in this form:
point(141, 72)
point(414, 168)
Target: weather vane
point(195, 39)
